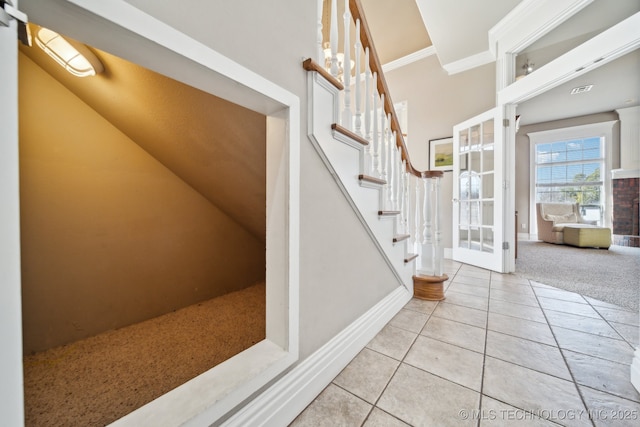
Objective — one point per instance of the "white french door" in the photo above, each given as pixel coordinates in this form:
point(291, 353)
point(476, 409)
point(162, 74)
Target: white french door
point(478, 194)
point(11, 394)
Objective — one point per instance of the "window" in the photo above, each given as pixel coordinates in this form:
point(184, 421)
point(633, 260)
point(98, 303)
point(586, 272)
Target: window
point(571, 171)
point(571, 165)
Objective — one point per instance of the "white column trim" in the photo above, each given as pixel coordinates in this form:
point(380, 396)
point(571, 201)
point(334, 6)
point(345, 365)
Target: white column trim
point(11, 387)
point(635, 369)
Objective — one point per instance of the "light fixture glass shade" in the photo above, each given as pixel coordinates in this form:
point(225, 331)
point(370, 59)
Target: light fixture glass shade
point(75, 58)
point(339, 61)
point(528, 67)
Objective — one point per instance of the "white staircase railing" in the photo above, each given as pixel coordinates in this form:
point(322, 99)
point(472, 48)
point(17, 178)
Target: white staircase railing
point(412, 195)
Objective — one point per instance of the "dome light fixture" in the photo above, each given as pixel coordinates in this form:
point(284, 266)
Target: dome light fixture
point(74, 57)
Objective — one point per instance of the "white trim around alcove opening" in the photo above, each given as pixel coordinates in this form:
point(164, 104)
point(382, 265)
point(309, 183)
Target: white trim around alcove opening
point(118, 27)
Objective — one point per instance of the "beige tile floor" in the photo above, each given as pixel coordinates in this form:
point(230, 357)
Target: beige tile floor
point(499, 351)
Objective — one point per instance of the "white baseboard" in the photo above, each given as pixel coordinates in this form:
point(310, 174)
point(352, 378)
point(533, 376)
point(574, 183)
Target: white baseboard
point(281, 403)
point(635, 369)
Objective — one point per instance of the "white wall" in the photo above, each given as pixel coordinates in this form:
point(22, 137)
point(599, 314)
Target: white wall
point(437, 102)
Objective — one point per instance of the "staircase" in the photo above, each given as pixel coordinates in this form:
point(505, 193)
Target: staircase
point(355, 129)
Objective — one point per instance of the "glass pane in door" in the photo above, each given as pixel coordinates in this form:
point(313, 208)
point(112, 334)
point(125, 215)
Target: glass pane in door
point(487, 186)
point(476, 181)
point(487, 241)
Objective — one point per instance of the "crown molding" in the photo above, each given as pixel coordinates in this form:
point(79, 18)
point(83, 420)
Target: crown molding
point(469, 62)
point(529, 21)
point(409, 59)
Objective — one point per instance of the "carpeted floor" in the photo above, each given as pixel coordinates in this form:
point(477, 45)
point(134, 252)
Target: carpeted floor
point(95, 381)
point(608, 275)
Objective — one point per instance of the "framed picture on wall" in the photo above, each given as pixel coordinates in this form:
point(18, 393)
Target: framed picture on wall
point(441, 154)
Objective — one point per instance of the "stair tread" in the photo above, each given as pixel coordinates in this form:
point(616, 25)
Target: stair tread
point(346, 132)
point(410, 257)
point(400, 237)
point(371, 179)
point(388, 213)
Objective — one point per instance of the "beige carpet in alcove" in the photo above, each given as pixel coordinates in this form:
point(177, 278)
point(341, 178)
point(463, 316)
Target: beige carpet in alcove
point(95, 381)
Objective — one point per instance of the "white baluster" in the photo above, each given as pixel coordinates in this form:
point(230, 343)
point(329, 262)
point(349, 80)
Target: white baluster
point(426, 230)
point(367, 110)
point(417, 219)
point(321, 58)
point(396, 187)
point(397, 164)
point(376, 163)
point(333, 38)
point(390, 162)
point(401, 172)
point(399, 204)
point(422, 262)
point(405, 199)
point(438, 251)
point(383, 141)
point(358, 48)
point(346, 67)
point(390, 165)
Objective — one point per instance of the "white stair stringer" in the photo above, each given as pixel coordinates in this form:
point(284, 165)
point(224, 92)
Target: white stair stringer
point(343, 158)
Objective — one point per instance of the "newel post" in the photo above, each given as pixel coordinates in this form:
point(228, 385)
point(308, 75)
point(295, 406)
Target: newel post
point(428, 282)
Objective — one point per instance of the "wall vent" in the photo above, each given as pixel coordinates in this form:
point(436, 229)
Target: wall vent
point(581, 89)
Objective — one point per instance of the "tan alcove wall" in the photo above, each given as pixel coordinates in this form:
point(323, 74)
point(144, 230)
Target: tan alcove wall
point(109, 235)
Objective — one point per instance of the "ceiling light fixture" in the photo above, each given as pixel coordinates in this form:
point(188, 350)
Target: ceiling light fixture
point(340, 60)
point(74, 57)
point(581, 89)
point(528, 67)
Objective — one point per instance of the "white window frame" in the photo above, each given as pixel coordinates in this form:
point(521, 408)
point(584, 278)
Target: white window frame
point(603, 130)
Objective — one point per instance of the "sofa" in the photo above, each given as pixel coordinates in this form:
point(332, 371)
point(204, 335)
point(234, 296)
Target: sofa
point(552, 218)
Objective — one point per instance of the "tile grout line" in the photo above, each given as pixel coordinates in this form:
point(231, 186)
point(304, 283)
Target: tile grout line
point(484, 354)
point(610, 325)
point(531, 341)
point(525, 367)
point(563, 351)
point(573, 379)
point(375, 404)
point(601, 317)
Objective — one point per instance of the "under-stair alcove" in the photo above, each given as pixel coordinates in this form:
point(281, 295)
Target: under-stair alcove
point(143, 253)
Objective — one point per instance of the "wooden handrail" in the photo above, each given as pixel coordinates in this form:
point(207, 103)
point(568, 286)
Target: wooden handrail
point(311, 65)
point(374, 63)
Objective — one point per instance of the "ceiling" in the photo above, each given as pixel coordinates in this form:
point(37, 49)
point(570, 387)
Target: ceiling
point(191, 132)
point(463, 38)
point(459, 29)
